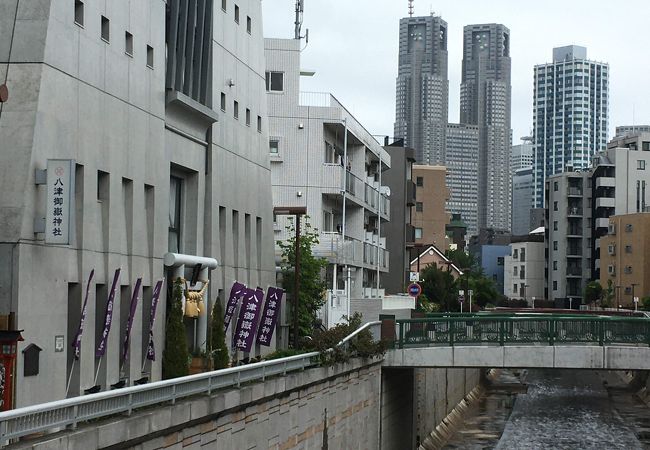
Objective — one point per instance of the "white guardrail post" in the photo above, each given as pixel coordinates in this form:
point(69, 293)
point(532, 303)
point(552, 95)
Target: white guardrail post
point(54, 416)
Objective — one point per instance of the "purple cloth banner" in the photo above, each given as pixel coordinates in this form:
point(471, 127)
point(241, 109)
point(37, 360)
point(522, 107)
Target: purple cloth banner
point(151, 350)
point(129, 322)
point(238, 289)
point(76, 344)
point(269, 316)
point(247, 323)
point(108, 318)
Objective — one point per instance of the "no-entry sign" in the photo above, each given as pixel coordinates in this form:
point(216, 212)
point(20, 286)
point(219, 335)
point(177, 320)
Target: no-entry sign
point(414, 289)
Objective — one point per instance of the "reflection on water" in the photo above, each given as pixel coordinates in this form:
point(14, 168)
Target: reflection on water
point(566, 409)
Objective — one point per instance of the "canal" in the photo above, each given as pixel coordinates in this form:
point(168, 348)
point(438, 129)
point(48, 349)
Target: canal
point(555, 409)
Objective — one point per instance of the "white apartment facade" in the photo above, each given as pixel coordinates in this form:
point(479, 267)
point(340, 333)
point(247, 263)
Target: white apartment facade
point(523, 269)
point(322, 159)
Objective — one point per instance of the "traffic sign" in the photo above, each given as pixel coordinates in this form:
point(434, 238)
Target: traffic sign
point(414, 276)
point(414, 289)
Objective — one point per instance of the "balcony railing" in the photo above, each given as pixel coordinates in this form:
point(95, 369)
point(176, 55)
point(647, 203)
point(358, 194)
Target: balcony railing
point(574, 211)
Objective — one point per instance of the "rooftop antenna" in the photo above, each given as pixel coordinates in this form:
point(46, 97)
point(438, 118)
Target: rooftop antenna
point(300, 8)
point(410, 8)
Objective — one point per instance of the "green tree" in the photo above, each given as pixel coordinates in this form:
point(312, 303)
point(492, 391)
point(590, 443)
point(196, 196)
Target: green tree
point(485, 292)
point(593, 292)
point(608, 296)
point(463, 260)
point(645, 304)
point(311, 294)
point(438, 287)
point(218, 347)
point(176, 356)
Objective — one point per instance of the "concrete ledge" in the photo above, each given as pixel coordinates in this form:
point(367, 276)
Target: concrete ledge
point(474, 356)
point(578, 357)
point(528, 357)
point(622, 358)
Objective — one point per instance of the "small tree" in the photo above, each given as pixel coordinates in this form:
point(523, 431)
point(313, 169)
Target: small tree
point(218, 347)
point(438, 287)
point(593, 292)
point(176, 356)
point(608, 295)
point(312, 285)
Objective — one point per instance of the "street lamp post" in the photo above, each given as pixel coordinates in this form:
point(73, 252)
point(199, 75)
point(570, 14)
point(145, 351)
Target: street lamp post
point(526, 286)
point(297, 211)
point(618, 301)
point(636, 304)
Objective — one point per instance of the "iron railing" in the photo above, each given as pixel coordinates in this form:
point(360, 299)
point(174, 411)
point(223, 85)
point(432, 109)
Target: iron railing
point(532, 329)
point(57, 415)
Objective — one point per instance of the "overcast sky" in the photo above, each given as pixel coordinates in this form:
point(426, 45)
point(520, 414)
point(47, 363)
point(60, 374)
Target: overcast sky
point(353, 49)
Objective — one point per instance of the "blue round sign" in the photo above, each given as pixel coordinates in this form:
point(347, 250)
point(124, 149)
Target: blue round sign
point(414, 290)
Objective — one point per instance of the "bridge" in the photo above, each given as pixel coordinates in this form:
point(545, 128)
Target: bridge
point(295, 402)
point(522, 341)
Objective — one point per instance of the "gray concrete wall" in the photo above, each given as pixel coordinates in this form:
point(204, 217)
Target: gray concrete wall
point(330, 407)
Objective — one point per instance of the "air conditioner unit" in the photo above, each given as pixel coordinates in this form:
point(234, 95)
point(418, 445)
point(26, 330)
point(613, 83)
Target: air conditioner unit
point(628, 269)
point(611, 269)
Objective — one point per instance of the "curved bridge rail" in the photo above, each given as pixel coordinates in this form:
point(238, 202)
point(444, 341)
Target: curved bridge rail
point(57, 415)
point(533, 329)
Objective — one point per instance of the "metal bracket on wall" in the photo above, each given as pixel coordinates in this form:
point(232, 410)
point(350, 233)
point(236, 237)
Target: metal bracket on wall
point(40, 176)
point(39, 225)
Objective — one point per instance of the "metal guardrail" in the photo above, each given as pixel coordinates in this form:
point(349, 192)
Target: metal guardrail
point(530, 329)
point(54, 416)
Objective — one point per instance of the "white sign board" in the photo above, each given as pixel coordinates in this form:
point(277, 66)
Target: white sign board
point(60, 191)
point(414, 277)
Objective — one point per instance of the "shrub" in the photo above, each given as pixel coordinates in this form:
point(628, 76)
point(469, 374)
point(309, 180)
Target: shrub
point(176, 356)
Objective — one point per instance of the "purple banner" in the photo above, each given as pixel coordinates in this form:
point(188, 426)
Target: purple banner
point(76, 343)
point(247, 322)
point(238, 289)
point(269, 316)
point(151, 350)
point(108, 318)
point(129, 322)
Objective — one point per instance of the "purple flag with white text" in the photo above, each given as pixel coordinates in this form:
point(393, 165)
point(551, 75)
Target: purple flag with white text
point(108, 318)
point(247, 322)
point(129, 322)
point(238, 289)
point(76, 343)
point(270, 315)
point(151, 349)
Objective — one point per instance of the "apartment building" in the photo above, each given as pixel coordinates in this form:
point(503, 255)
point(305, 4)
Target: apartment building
point(524, 267)
point(324, 160)
point(430, 216)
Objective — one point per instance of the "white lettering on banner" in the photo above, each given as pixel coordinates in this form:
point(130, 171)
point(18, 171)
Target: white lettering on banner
point(60, 191)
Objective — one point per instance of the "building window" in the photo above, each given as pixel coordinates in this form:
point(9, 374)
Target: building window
point(150, 56)
point(514, 288)
point(224, 4)
point(249, 24)
point(235, 109)
point(418, 233)
point(128, 43)
point(419, 181)
point(515, 271)
point(274, 146)
point(328, 221)
point(555, 285)
point(554, 245)
point(275, 81)
point(79, 13)
point(640, 164)
point(174, 233)
point(515, 254)
point(628, 249)
point(554, 206)
point(500, 260)
point(236, 13)
point(418, 206)
point(248, 117)
point(645, 146)
point(628, 227)
point(223, 102)
point(259, 124)
point(555, 186)
point(554, 265)
point(555, 225)
point(106, 29)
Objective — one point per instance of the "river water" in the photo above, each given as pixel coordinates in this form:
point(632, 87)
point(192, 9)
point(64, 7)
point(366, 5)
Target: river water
point(555, 409)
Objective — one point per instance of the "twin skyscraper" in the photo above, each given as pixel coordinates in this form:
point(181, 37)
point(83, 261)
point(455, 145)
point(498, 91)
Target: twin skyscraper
point(476, 151)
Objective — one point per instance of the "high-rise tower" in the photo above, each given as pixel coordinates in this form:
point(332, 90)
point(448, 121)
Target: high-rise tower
point(570, 114)
point(485, 102)
point(422, 92)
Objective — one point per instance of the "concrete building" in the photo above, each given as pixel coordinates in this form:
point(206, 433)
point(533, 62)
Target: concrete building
point(521, 155)
point(568, 237)
point(570, 114)
point(490, 247)
point(524, 267)
point(168, 153)
point(430, 216)
point(522, 195)
point(433, 255)
point(485, 102)
point(462, 173)
point(422, 88)
point(625, 130)
point(400, 231)
point(625, 257)
point(323, 159)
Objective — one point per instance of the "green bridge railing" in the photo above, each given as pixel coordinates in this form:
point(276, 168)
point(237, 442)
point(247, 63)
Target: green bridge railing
point(449, 330)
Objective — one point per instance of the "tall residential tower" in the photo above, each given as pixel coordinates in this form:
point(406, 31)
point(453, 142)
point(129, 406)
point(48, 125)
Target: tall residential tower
point(485, 102)
point(422, 92)
point(570, 114)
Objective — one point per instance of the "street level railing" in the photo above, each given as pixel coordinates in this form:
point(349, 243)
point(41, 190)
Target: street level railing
point(57, 415)
point(532, 329)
